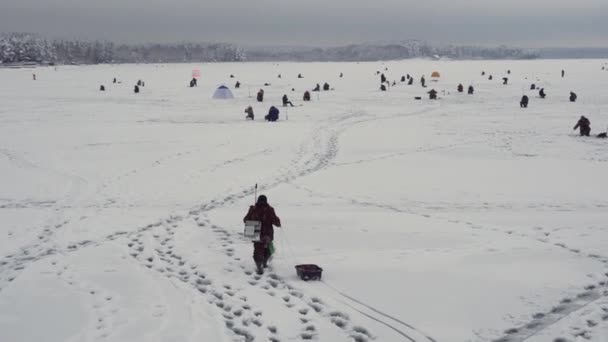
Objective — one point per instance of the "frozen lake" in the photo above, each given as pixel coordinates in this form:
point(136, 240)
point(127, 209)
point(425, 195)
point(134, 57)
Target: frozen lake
point(462, 219)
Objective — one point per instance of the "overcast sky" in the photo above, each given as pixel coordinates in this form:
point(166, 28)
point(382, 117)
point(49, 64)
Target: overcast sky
point(527, 23)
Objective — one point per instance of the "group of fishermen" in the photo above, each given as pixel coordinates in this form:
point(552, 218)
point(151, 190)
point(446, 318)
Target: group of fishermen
point(136, 88)
point(272, 116)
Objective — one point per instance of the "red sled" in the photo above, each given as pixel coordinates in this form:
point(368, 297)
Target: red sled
point(309, 272)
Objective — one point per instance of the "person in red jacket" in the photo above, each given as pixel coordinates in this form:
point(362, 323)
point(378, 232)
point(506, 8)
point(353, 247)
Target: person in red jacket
point(264, 213)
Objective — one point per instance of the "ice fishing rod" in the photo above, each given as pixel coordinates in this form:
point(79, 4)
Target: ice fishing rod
point(255, 193)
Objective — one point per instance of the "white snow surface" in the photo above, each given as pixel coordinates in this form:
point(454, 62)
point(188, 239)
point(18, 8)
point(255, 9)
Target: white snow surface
point(462, 219)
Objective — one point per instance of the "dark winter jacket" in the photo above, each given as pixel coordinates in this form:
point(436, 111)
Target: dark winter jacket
point(306, 96)
point(273, 114)
point(583, 122)
point(264, 213)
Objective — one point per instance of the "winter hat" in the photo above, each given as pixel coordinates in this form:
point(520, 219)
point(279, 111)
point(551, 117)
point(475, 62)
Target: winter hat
point(263, 199)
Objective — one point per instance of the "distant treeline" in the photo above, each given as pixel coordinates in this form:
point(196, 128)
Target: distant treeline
point(24, 47)
point(383, 52)
point(31, 48)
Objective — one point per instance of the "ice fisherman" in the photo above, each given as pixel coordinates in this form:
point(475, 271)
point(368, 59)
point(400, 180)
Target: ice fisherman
point(541, 93)
point(423, 82)
point(432, 94)
point(584, 126)
point(273, 114)
point(326, 86)
point(306, 96)
point(573, 97)
point(136, 89)
point(460, 88)
point(286, 101)
point(524, 102)
point(249, 112)
point(266, 215)
point(471, 90)
point(317, 87)
point(260, 96)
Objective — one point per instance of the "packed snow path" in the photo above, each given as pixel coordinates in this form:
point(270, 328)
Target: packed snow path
point(456, 220)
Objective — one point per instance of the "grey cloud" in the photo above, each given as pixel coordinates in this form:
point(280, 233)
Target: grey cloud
point(315, 22)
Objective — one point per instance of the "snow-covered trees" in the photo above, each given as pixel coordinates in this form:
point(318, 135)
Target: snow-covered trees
point(23, 47)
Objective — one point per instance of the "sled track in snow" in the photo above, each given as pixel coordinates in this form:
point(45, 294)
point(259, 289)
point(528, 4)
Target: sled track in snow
point(413, 335)
point(155, 249)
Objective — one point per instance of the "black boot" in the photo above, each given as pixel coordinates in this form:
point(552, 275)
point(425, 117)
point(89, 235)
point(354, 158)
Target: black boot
point(260, 269)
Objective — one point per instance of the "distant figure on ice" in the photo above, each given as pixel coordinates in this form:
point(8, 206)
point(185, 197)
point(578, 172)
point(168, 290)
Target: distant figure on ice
point(524, 102)
point(260, 96)
point(460, 88)
point(136, 89)
point(382, 78)
point(402, 78)
point(249, 112)
point(572, 97)
point(432, 94)
point(341, 75)
point(382, 87)
point(584, 125)
point(532, 86)
point(279, 76)
point(139, 83)
point(509, 71)
point(102, 88)
point(306, 96)
point(483, 73)
point(505, 80)
point(231, 76)
point(563, 73)
point(317, 88)
point(490, 77)
point(34, 77)
point(273, 114)
point(194, 82)
point(471, 90)
point(237, 84)
point(423, 82)
point(326, 86)
point(410, 81)
point(286, 101)
point(541, 93)
point(114, 81)
point(300, 76)
point(266, 215)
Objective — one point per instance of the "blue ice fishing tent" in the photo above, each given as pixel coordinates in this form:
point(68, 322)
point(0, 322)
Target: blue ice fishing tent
point(223, 92)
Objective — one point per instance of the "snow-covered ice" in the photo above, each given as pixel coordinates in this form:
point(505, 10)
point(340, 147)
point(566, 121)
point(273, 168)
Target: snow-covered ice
point(462, 219)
